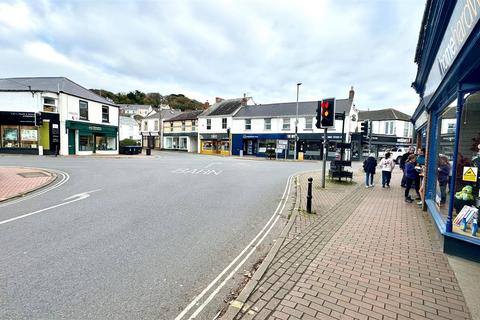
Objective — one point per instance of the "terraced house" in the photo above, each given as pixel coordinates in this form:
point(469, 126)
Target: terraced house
point(181, 132)
point(54, 115)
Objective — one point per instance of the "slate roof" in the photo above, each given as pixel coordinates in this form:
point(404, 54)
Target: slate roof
point(51, 84)
point(306, 108)
point(165, 114)
point(190, 115)
point(383, 114)
point(225, 107)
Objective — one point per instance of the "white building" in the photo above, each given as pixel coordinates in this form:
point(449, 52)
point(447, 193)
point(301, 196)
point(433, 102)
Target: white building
point(129, 129)
point(57, 116)
point(152, 127)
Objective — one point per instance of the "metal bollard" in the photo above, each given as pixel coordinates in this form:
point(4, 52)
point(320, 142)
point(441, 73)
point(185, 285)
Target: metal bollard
point(309, 195)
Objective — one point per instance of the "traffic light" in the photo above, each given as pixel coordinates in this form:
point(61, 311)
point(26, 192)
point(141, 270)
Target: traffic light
point(327, 114)
point(364, 127)
point(318, 117)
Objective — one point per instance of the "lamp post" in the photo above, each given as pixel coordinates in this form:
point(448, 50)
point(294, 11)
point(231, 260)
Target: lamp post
point(296, 124)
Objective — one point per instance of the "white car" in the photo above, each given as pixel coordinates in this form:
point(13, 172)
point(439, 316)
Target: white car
point(397, 153)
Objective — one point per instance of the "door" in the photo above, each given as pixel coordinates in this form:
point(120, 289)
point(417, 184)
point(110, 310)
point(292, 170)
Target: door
point(71, 141)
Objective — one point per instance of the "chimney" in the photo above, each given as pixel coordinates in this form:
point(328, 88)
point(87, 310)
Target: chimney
point(206, 105)
point(218, 99)
point(351, 94)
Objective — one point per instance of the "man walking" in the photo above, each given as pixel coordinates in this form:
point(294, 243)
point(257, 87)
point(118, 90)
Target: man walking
point(405, 156)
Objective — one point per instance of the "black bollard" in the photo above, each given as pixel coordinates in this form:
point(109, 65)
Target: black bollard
point(309, 195)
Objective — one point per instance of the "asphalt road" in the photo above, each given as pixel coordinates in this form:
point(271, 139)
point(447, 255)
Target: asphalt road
point(151, 236)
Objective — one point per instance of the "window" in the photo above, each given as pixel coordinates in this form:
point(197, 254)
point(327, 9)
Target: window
point(171, 126)
point(85, 143)
point(224, 123)
point(209, 124)
point(248, 124)
point(183, 126)
point(286, 124)
point(105, 143)
point(183, 143)
point(268, 124)
point(155, 125)
point(168, 143)
point(390, 127)
point(145, 125)
point(49, 105)
point(10, 137)
point(83, 110)
point(28, 137)
point(105, 116)
point(406, 130)
point(451, 127)
point(308, 123)
point(194, 125)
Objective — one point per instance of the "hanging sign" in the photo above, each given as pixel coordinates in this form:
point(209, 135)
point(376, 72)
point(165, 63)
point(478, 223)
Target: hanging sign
point(470, 174)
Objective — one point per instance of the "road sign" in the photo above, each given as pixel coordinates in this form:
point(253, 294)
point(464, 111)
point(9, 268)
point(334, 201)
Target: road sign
point(470, 174)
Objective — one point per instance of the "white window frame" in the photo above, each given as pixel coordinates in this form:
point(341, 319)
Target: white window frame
point(209, 124)
point(248, 124)
point(309, 123)
point(155, 125)
point(224, 123)
point(286, 123)
point(267, 124)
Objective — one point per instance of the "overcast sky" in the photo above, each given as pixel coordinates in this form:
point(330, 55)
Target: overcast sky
point(209, 48)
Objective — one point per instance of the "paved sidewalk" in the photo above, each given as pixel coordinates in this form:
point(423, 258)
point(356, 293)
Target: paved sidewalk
point(366, 255)
point(17, 181)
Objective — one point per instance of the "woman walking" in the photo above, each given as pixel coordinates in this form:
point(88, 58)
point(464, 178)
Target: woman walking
point(411, 174)
point(387, 164)
point(369, 166)
point(442, 176)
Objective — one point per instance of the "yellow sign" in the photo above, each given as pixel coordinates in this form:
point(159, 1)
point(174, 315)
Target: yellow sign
point(470, 174)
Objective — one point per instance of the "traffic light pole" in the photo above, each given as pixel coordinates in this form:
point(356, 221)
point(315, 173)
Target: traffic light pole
point(325, 151)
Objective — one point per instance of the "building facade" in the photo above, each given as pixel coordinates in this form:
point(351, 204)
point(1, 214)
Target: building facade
point(180, 133)
point(129, 129)
point(214, 126)
point(54, 115)
point(269, 129)
point(447, 120)
point(390, 128)
point(151, 127)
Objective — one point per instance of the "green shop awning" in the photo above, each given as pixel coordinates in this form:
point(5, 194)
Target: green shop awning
point(91, 128)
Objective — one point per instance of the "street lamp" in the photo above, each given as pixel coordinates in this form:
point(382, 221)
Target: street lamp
point(296, 124)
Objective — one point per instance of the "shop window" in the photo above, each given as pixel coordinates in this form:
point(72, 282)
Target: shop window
point(10, 136)
point(224, 123)
point(208, 145)
point(85, 143)
point(268, 144)
point(105, 115)
point(83, 110)
point(105, 143)
point(308, 123)
point(467, 197)
point(209, 124)
point(286, 124)
point(168, 143)
point(28, 137)
point(248, 124)
point(183, 143)
point(225, 146)
point(268, 124)
point(49, 105)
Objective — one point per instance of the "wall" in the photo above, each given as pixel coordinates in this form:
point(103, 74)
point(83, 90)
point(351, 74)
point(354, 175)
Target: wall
point(216, 125)
point(20, 101)
point(258, 126)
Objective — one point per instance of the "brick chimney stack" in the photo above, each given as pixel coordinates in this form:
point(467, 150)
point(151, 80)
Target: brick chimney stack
point(351, 94)
point(206, 105)
point(218, 99)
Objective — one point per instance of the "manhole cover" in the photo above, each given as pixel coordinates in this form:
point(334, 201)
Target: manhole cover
point(33, 174)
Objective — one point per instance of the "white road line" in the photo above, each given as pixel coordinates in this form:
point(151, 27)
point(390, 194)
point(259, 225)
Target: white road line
point(212, 164)
point(220, 286)
point(64, 178)
point(198, 297)
point(75, 198)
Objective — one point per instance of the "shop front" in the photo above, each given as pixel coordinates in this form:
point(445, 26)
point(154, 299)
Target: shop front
point(215, 143)
point(88, 138)
point(29, 132)
point(450, 90)
point(180, 141)
point(260, 145)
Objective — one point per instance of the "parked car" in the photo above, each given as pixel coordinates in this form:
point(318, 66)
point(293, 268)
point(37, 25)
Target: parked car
point(396, 152)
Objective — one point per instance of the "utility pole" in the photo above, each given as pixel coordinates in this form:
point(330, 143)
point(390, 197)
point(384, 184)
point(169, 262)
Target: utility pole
point(325, 152)
point(296, 125)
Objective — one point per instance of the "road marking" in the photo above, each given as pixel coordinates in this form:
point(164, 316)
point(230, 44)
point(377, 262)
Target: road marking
point(198, 171)
point(64, 178)
point(71, 199)
point(211, 164)
point(251, 246)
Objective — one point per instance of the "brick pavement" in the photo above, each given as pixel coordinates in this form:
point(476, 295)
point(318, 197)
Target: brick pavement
point(370, 255)
point(16, 181)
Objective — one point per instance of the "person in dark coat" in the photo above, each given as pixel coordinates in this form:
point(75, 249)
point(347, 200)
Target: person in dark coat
point(442, 177)
point(402, 165)
point(412, 176)
point(369, 166)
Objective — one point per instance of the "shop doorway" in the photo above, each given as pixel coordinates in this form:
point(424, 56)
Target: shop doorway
point(71, 141)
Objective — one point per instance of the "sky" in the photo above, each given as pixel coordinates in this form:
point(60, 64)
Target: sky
point(220, 48)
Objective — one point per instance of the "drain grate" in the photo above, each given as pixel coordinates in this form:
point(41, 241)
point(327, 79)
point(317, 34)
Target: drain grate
point(33, 174)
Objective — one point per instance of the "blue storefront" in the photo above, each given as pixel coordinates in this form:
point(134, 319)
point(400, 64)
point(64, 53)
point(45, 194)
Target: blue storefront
point(448, 118)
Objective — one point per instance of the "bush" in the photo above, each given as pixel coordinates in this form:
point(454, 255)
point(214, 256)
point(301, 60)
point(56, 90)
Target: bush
point(128, 142)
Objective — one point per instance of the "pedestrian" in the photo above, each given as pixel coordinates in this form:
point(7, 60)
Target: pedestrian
point(402, 165)
point(387, 164)
point(369, 166)
point(412, 177)
point(443, 176)
point(421, 157)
